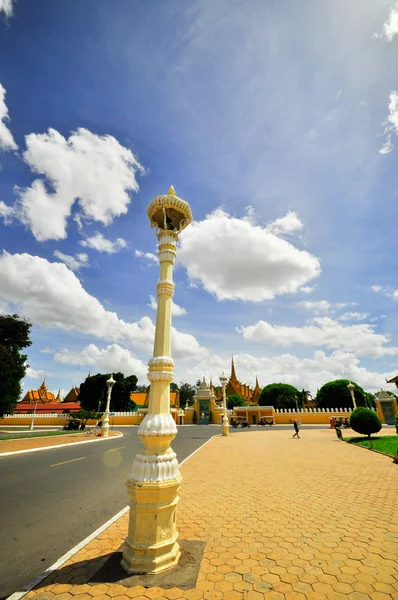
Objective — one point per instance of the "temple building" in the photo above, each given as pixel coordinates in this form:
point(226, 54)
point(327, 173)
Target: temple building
point(41, 395)
point(235, 387)
point(72, 395)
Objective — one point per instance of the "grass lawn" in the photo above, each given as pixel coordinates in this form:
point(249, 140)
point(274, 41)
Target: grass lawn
point(19, 436)
point(387, 444)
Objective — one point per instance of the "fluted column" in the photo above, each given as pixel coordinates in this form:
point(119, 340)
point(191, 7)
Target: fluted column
point(151, 545)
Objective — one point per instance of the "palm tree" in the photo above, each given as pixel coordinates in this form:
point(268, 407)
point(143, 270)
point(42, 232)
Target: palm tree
point(303, 397)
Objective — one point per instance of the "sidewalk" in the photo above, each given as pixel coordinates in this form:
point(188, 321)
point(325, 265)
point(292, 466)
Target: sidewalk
point(281, 519)
point(10, 446)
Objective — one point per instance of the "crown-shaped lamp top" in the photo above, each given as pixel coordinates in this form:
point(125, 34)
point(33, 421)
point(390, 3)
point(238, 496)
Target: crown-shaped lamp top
point(169, 212)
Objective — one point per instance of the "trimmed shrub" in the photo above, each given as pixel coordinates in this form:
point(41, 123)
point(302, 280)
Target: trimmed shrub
point(235, 400)
point(335, 394)
point(365, 421)
point(280, 395)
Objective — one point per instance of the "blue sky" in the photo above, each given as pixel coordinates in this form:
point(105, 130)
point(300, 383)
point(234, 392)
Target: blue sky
point(277, 122)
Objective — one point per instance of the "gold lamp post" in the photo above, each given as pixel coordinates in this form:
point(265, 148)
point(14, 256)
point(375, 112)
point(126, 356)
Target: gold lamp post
point(151, 544)
point(225, 422)
point(351, 388)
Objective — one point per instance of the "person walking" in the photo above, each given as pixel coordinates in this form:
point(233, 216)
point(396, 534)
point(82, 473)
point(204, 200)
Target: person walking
point(296, 429)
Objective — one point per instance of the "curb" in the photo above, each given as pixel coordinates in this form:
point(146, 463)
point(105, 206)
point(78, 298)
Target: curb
point(59, 445)
point(87, 540)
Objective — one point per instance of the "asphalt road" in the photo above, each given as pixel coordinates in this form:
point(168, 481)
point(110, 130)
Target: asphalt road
point(51, 500)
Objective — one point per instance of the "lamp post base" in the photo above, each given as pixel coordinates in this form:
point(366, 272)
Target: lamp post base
point(105, 427)
point(151, 545)
point(225, 426)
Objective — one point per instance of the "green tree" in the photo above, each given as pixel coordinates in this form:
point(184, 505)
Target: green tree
point(365, 421)
point(187, 392)
point(235, 400)
point(14, 336)
point(85, 415)
point(303, 397)
point(280, 395)
point(141, 388)
point(335, 394)
point(93, 392)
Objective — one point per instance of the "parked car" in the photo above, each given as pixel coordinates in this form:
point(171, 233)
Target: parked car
point(72, 424)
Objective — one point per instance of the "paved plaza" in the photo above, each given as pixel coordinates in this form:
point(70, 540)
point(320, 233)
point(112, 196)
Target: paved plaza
point(281, 518)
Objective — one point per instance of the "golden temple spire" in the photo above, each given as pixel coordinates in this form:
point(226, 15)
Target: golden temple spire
point(171, 191)
point(233, 374)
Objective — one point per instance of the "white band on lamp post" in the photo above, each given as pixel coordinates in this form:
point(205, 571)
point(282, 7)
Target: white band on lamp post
point(105, 423)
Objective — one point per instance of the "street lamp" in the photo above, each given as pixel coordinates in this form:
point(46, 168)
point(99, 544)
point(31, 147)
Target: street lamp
point(151, 545)
point(298, 414)
point(225, 422)
point(33, 417)
point(105, 423)
point(351, 388)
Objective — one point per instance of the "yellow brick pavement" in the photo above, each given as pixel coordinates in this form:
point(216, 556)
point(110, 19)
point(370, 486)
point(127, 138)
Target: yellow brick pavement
point(283, 519)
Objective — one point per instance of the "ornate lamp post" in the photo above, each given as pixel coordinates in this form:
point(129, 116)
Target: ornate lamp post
point(351, 388)
point(33, 418)
point(225, 422)
point(105, 423)
point(151, 544)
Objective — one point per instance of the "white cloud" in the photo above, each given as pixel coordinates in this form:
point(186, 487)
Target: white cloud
point(353, 316)
point(287, 224)
point(176, 309)
point(6, 212)
point(73, 263)
point(6, 6)
point(112, 359)
point(317, 306)
point(52, 296)
point(34, 373)
point(237, 260)
point(390, 27)
point(391, 123)
point(306, 289)
point(148, 255)
point(376, 288)
point(323, 306)
point(96, 171)
point(6, 139)
point(98, 242)
point(47, 351)
point(360, 339)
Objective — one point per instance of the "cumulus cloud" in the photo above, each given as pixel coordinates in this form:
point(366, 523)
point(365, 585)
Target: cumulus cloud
point(176, 310)
point(376, 288)
point(73, 262)
point(323, 306)
point(6, 6)
point(237, 260)
point(112, 359)
point(306, 289)
point(147, 255)
point(98, 242)
point(287, 224)
point(354, 316)
point(6, 212)
point(6, 139)
point(360, 339)
point(34, 373)
point(390, 27)
point(391, 123)
point(51, 295)
point(95, 171)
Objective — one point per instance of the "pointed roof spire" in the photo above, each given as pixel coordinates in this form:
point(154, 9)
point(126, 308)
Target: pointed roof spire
point(257, 384)
point(58, 398)
point(233, 374)
point(171, 191)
